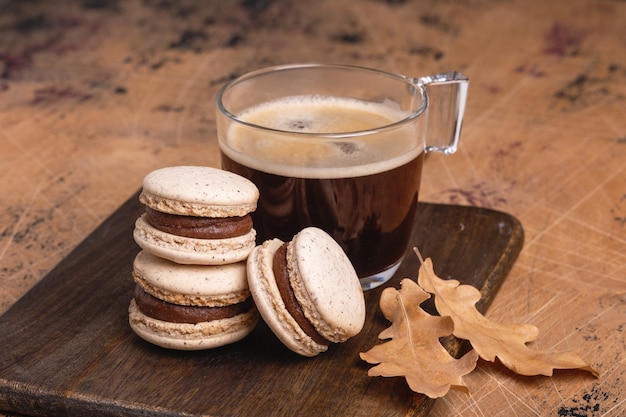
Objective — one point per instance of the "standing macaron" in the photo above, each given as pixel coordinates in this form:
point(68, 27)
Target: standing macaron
point(190, 307)
point(307, 291)
point(197, 215)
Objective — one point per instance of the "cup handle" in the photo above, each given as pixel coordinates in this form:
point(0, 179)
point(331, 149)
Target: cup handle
point(447, 94)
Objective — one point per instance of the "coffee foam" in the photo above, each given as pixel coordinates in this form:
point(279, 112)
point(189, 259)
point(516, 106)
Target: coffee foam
point(322, 114)
point(294, 146)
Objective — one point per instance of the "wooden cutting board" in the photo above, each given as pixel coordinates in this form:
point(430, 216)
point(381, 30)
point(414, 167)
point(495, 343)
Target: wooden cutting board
point(66, 347)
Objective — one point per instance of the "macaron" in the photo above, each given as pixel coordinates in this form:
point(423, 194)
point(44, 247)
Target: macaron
point(197, 215)
point(190, 307)
point(307, 291)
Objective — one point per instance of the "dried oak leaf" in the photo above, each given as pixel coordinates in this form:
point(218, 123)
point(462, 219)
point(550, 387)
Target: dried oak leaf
point(490, 339)
point(414, 350)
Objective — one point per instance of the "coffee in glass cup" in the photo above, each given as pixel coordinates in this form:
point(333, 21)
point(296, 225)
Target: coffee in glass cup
point(333, 146)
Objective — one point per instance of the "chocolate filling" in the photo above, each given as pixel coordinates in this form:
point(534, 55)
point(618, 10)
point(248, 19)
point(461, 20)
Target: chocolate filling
point(279, 266)
point(199, 227)
point(174, 313)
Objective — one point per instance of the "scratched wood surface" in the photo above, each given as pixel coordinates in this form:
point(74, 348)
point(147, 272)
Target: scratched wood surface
point(95, 94)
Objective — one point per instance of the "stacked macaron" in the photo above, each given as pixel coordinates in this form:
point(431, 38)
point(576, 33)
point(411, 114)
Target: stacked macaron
point(191, 287)
point(197, 215)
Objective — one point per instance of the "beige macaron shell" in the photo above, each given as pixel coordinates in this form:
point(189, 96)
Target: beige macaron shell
point(199, 191)
point(266, 295)
point(193, 285)
point(326, 285)
point(186, 336)
point(188, 250)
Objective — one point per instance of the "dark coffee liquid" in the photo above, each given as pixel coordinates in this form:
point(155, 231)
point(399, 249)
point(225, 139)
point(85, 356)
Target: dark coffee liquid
point(370, 216)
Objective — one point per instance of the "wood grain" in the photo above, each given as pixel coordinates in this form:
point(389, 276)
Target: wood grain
point(69, 351)
point(96, 94)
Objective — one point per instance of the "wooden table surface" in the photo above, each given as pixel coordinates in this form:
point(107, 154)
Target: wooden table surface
point(95, 94)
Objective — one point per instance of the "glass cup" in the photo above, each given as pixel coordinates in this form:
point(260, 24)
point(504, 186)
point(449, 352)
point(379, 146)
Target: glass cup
point(339, 147)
